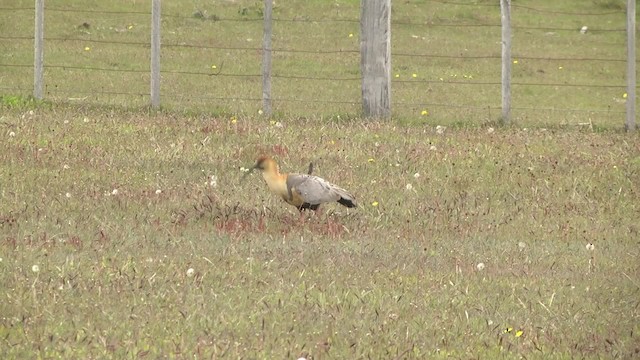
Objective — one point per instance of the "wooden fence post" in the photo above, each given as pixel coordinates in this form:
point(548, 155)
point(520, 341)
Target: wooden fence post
point(630, 124)
point(375, 57)
point(266, 58)
point(155, 54)
point(505, 16)
point(38, 55)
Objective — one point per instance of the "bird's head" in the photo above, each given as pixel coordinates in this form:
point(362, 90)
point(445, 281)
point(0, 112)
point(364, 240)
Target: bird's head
point(264, 164)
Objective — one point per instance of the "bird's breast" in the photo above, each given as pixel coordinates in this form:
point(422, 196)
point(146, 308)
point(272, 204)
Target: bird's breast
point(277, 183)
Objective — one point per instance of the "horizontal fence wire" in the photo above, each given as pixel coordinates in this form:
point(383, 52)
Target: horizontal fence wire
point(319, 52)
point(316, 78)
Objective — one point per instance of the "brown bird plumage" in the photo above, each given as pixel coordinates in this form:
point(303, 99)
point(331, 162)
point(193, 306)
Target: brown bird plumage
point(303, 191)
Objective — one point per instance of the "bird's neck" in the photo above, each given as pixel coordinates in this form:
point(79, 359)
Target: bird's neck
point(277, 182)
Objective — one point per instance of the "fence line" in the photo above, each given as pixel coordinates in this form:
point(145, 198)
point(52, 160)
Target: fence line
point(316, 78)
point(516, 6)
point(528, 8)
point(256, 99)
point(630, 89)
point(356, 21)
point(328, 52)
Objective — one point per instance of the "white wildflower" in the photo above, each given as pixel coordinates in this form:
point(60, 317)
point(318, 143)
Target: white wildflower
point(480, 266)
point(190, 272)
point(35, 268)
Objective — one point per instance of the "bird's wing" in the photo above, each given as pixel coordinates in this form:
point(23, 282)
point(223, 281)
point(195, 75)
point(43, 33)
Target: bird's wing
point(313, 189)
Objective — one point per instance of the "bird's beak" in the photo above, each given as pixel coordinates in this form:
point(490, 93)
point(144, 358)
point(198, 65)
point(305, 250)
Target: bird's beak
point(249, 171)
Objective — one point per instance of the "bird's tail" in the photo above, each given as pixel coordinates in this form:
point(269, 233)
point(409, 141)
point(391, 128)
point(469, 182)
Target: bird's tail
point(350, 203)
point(346, 199)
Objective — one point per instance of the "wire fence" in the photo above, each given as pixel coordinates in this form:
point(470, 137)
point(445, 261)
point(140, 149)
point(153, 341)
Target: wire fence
point(445, 58)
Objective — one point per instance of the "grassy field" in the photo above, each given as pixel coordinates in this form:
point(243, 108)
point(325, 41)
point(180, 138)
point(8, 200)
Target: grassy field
point(468, 242)
point(446, 58)
point(126, 233)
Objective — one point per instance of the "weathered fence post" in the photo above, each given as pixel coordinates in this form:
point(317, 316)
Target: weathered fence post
point(38, 55)
point(505, 16)
point(630, 124)
point(266, 58)
point(155, 54)
point(375, 57)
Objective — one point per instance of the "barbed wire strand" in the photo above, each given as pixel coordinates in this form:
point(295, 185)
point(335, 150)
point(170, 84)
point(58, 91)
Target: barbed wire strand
point(423, 104)
point(447, 105)
point(619, 12)
point(411, 23)
point(320, 52)
point(513, 6)
point(315, 78)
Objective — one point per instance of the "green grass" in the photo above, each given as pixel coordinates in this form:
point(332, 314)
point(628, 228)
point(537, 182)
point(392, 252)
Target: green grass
point(399, 279)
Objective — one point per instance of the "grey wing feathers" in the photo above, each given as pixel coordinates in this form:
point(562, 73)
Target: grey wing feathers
point(316, 190)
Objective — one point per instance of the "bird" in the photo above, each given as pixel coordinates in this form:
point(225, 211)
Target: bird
point(304, 191)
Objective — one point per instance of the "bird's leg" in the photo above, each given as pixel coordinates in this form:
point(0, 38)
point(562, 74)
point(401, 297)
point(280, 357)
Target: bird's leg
point(303, 215)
